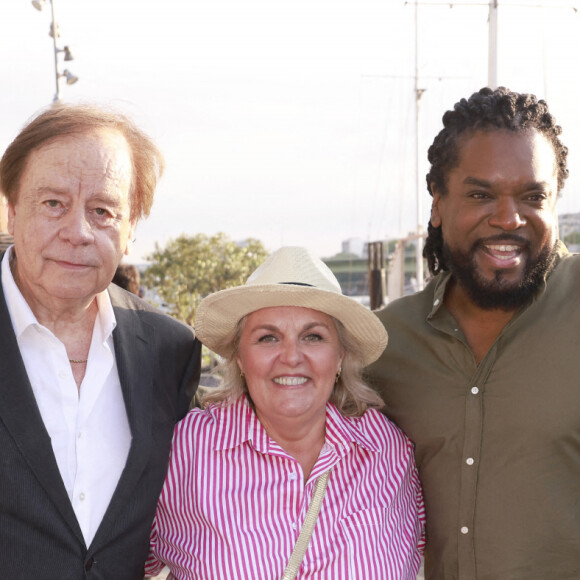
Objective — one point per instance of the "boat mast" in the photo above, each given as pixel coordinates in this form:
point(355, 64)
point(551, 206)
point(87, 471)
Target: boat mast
point(418, 186)
point(492, 46)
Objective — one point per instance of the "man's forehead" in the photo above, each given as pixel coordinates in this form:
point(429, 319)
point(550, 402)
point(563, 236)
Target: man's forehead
point(104, 135)
point(99, 158)
point(99, 148)
point(498, 137)
point(493, 147)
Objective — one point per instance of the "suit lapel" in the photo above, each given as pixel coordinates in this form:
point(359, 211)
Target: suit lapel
point(132, 340)
point(21, 417)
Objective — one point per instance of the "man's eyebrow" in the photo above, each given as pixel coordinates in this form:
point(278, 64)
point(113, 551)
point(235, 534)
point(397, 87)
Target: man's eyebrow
point(542, 185)
point(49, 189)
point(477, 181)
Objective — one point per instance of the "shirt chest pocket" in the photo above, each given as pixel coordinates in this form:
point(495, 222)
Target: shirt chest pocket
point(366, 530)
point(369, 518)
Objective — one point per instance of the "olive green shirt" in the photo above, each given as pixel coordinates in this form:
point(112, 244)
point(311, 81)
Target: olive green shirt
point(497, 444)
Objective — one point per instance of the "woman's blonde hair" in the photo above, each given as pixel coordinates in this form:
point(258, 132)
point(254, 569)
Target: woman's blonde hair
point(351, 396)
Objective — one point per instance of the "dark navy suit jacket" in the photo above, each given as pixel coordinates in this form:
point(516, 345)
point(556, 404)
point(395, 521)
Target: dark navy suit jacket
point(158, 360)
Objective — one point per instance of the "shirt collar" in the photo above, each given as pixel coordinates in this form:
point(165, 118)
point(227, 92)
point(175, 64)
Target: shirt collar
point(440, 282)
point(561, 252)
point(239, 424)
point(20, 313)
point(22, 316)
point(342, 431)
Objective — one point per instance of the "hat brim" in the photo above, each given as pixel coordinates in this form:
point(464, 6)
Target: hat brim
point(218, 315)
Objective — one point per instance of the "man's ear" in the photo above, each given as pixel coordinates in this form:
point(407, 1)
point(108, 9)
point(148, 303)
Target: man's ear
point(10, 211)
point(435, 215)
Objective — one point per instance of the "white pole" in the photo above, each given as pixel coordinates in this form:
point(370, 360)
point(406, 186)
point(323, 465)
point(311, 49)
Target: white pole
point(54, 28)
point(418, 93)
point(492, 45)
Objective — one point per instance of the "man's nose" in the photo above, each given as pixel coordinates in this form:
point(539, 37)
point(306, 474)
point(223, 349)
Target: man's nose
point(507, 215)
point(75, 226)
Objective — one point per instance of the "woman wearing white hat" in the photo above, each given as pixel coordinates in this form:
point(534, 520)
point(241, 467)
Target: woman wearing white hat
point(289, 471)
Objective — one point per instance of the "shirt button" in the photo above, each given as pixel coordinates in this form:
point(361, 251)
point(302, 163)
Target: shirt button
point(293, 526)
point(464, 530)
point(469, 461)
point(436, 302)
point(474, 390)
point(63, 374)
point(292, 477)
point(80, 434)
point(82, 496)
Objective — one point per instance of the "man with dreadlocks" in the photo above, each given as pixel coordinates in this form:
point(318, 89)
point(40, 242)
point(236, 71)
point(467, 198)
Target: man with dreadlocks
point(482, 370)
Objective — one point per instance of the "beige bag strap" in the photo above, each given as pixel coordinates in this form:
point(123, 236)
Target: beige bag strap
point(307, 528)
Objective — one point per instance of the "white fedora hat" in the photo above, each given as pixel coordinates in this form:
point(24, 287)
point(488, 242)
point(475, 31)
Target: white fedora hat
point(291, 276)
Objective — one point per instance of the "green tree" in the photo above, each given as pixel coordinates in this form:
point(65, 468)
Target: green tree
point(191, 267)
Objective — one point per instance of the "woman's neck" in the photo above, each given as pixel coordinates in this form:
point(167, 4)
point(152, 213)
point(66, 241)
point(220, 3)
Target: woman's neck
point(303, 441)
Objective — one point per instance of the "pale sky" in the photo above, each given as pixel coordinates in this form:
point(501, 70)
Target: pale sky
point(291, 121)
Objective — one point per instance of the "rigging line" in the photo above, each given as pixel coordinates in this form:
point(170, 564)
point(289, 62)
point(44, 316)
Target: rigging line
point(355, 174)
point(397, 191)
point(379, 174)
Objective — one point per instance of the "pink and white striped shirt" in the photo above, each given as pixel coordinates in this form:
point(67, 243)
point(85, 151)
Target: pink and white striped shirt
point(234, 501)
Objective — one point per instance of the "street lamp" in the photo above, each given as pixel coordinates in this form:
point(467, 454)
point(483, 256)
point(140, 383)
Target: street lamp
point(54, 33)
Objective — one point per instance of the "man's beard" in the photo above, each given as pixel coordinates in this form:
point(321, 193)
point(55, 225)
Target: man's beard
point(499, 293)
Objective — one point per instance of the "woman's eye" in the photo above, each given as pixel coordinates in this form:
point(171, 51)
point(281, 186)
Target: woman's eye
point(314, 337)
point(267, 338)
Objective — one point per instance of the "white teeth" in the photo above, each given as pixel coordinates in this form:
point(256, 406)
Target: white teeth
point(503, 251)
point(504, 248)
point(290, 381)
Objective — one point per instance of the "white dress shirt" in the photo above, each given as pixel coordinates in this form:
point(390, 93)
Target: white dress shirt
point(88, 428)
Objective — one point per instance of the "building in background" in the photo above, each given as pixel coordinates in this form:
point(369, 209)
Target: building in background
point(569, 225)
point(356, 247)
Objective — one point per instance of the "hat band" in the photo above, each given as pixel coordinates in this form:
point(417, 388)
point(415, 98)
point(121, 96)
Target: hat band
point(297, 284)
